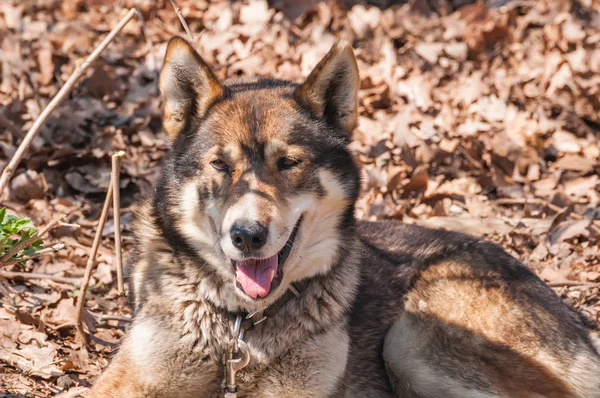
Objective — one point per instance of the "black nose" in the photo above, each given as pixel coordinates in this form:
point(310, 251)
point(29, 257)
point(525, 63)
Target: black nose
point(248, 235)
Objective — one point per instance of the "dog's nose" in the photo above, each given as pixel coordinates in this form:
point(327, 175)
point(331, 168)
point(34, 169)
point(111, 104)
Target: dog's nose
point(248, 235)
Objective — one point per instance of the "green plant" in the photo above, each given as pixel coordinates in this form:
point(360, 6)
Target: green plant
point(14, 230)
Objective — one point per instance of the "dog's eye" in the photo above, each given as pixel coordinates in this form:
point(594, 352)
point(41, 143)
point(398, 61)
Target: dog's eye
point(286, 163)
point(220, 165)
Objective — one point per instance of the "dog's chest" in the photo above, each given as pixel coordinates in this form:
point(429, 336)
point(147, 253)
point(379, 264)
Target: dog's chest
point(282, 358)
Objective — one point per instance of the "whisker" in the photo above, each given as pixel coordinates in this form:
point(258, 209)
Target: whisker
point(215, 246)
point(322, 241)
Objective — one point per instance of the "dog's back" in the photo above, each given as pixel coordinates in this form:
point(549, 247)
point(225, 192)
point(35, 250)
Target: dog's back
point(258, 194)
point(470, 321)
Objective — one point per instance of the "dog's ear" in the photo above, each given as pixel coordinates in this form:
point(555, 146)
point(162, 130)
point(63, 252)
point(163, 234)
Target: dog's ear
point(331, 89)
point(187, 84)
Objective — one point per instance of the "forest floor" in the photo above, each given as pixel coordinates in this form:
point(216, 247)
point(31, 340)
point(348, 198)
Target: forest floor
point(480, 117)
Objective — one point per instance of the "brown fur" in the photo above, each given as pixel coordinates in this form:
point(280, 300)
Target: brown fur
point(471, 318)
point(387, 309)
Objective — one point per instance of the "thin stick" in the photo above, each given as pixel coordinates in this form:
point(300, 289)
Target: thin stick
point(29, 275)
point(90, 265)
point(64, 224)
point(534, 201)
point(116, 169)
point(572, 283)
point(72, 393)
point(182, 20)
point(27, 242)
point(9, 170)
point(551, 206)
point(104, 318)
point(41, 252)
point(46, 250)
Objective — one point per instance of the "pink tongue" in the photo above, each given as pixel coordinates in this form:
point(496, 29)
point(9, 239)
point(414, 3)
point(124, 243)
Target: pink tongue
point(256, 276)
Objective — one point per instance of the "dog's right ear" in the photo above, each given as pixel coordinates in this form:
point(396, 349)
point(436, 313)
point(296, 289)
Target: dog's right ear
point(187, 84)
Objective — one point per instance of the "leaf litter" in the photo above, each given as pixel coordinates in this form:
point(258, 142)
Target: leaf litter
point(482, 117)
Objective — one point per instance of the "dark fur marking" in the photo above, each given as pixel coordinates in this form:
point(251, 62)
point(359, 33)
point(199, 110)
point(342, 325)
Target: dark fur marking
point(261, 84)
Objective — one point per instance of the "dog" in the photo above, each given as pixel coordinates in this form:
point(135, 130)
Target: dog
point(253, 278)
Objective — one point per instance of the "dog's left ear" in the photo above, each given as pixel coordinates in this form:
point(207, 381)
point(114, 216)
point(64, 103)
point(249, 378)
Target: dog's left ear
point(331, 89)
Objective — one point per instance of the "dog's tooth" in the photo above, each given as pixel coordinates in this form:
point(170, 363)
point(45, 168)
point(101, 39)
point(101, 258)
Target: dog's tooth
point(272, 272)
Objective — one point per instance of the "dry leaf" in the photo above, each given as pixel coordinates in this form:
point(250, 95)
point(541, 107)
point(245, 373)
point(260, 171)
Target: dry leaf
point(466, 113)
point(28, 185)
point(46, 65)
point(574, 163)
point(569, 230)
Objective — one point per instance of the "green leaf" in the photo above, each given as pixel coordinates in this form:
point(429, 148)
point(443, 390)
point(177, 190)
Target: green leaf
point(38, 245)
point(24, 223)
point(14, 230)
point(9, 219)
point(3, 243)
point(28, 234)
point(28, 252)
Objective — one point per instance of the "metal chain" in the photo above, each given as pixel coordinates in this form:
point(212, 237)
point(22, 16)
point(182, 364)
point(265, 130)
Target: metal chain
point(238, 353)
point(238, 357)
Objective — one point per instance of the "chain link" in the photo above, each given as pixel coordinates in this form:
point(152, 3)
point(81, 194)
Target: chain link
point(238, 357)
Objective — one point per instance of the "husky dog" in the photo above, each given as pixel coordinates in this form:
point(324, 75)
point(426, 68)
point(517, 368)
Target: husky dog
point(254, 214)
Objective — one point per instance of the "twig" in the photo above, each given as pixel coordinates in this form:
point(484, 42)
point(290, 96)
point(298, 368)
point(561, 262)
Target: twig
point(90, 265)
point(149, 46)
point(64, 224)
point(51, 249)
point(545, 203)
point(10, 168)
point(572, 283)
point(182, 20)
point(103, 318)
point(27, 242)
point(46, 250)
point(535, 201)
point(116, 169)
point(26, 366)
point(29, 275)
point(73, 392)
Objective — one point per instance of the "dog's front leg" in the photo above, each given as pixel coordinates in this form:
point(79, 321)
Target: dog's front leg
point(153, 361)
point(119, 380)
point(312, 369)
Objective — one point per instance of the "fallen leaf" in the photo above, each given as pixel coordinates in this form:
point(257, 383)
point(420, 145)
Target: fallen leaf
point(28, 185)
point(64, 314)
point(574, 163)
point(581, 186)
point(46, 65)
point(572, 32)
point(569, 230)
point(35, 361)
point(553, 274)
point(429, 51)
point(565, 142)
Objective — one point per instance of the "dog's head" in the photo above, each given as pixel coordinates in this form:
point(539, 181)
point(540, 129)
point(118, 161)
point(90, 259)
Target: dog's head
point(259, 183)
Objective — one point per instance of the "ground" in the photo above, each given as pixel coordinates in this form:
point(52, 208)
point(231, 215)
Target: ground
point(481, 117)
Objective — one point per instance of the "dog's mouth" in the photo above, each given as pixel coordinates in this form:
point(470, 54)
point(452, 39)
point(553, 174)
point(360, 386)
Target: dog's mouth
point(257, 277)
